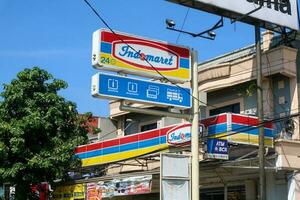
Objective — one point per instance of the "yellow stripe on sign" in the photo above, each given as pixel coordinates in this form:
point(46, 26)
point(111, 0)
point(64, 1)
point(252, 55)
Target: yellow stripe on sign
point(107, 59)
point(121, 156)
point(243, 138)
point(250, 139)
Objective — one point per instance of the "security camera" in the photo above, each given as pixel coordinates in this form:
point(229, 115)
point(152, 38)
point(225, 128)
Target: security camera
point(170, 23)
point(212, 34)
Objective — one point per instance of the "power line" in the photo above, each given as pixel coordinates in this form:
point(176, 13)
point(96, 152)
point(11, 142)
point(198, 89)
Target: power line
point(185, 17)
point(157, 71)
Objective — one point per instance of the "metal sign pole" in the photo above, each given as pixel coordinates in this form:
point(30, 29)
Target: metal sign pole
point(195, 126)
point(261, 151)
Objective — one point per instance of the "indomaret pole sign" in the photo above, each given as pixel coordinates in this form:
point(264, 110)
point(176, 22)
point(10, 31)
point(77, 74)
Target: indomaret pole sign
point(139, 56)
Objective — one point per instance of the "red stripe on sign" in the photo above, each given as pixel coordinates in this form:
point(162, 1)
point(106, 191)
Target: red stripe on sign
point(269, 125)
point(109, 37)
point(89, 147)
point(246, 120)
point(214, 120)
point(124, 140)
point(149, 135)
point(132, 138)
point(111, 143)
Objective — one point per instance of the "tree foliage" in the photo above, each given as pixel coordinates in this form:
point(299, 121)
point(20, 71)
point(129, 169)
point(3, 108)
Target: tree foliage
point(38, 131)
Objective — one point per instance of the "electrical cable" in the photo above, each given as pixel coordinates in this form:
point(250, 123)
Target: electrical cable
point(157, 71)
point(182, 26)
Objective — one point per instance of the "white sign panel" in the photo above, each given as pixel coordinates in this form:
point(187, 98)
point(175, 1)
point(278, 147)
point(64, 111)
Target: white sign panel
point(279, 12)
point(175, 177)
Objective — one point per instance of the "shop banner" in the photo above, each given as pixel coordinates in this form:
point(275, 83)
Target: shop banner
point(69, 192)
point(133, 185)
point(97, 191)
point(119, 187)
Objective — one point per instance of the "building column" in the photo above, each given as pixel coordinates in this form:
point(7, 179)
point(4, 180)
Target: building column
point(294, 106)
point(251, 192)
point(120, 127)
point(294, 186)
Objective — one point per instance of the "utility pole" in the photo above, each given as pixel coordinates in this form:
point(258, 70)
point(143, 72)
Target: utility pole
point(260, 112)
point(195, 128)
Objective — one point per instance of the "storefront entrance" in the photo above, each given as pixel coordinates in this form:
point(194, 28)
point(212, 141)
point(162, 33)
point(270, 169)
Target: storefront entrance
point(234, 193)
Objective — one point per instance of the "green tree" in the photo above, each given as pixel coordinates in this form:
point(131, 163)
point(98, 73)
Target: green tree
point(38, 131)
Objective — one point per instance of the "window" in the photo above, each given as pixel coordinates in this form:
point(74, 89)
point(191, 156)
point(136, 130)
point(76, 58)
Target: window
point(147, 127)
point(233, 108)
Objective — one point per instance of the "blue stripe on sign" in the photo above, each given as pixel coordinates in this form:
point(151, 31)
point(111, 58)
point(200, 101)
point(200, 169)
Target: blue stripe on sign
point(184, 63)
point(250, 130)
point(90, 154)
point(111, 150)
point(217, 128)
point(163, 139)
point(105, 47)
point(123, 148)
point(128, 147)
point(148, 143)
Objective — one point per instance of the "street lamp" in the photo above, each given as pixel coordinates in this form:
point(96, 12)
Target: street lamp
point(211, 35)
point(208, 34)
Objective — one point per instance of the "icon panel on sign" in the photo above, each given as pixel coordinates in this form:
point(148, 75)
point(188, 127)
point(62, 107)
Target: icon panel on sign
point(113, 84)
point(132, 88)
point(174, 95)
point(152, 92)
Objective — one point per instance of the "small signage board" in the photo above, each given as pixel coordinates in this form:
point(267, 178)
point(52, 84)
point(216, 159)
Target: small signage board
point(139, 56)
point(181, 134)
point(273, 12)
point(141, 91)
point(217, 149)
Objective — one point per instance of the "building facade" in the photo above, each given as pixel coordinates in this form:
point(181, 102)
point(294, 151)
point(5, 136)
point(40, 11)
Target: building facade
point(130, 155)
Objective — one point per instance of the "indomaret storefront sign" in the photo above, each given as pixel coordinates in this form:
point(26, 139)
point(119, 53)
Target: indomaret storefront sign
point(234, 128)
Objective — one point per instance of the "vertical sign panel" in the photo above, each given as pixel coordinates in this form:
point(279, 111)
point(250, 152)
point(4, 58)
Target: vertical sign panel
point(175, 177)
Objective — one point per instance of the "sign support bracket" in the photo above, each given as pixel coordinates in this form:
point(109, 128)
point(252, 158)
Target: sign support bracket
point(127, 108)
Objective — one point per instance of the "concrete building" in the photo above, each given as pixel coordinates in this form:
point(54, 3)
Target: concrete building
point(229, 82)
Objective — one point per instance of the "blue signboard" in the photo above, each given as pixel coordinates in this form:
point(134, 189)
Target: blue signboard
point(138, 90)
point(217, 149)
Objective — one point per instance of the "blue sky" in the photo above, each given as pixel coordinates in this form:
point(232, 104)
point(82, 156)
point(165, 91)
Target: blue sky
point(56, 35)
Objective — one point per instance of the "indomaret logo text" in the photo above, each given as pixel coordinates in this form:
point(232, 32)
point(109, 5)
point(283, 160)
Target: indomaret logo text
point(283, 6)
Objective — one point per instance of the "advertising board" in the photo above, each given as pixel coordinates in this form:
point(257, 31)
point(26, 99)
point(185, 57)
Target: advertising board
point(272, 12)
point(138, 90)
point(119, 187)
point(69, 192)
point(139, 56)
point(217, 149)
